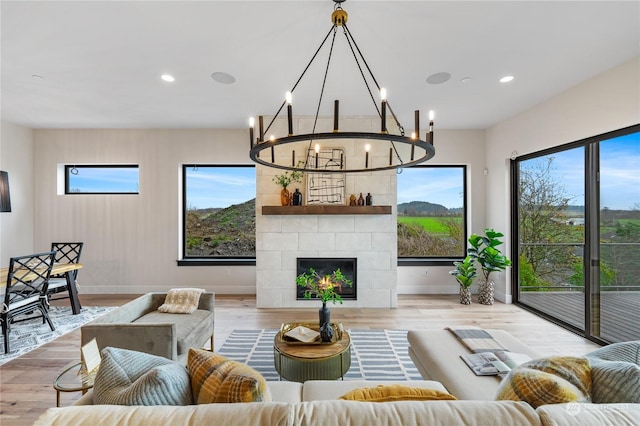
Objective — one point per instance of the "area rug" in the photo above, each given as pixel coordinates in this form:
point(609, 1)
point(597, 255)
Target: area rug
point(375, 354)
point(28, 335)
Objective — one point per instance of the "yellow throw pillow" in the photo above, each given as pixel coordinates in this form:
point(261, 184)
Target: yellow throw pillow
point(181, 301)
point(551, 380)
point(215, 378)
point(387, 393)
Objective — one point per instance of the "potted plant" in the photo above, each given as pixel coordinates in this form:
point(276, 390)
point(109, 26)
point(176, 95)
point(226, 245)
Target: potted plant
point(325, 288)
point(284, 180)
point(483, 250)
point(465, 273)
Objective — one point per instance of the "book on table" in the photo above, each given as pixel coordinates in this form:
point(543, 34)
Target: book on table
point(494, 363)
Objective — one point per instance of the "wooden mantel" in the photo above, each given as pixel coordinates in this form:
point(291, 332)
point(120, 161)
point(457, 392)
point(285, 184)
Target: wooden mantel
point(324, 210)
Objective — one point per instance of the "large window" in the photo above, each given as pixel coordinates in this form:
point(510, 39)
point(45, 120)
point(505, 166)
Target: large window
point(432, 213)
point(219, 212)
point(577, 234)
point(101, 179)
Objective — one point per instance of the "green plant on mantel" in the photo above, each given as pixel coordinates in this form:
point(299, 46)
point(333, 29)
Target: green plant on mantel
point(323, 287)
point(285, 179)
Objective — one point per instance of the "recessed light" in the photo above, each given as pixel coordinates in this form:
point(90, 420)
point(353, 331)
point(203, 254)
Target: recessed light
point(438, 78)
point(223, 77)
point(167, 77)
point(506, 79)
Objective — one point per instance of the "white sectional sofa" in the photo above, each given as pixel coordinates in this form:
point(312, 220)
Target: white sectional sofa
point(316, 403)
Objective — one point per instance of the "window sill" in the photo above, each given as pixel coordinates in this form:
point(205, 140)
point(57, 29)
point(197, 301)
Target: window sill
point(217, 262)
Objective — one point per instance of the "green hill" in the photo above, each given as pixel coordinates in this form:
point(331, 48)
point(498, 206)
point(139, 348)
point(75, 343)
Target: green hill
point(420, 208)
point(222, 232)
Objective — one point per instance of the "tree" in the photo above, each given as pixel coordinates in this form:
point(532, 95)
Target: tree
point(546, 236)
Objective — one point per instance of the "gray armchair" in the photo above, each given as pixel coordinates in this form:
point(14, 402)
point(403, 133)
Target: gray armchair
point(139, 326)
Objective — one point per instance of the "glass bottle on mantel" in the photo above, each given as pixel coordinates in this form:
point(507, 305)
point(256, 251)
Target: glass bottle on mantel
point(361, 200)
point(369, 199)
point(296, 198)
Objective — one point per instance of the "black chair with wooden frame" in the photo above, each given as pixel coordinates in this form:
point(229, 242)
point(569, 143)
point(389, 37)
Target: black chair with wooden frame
point(26, 291)
point(65, 253)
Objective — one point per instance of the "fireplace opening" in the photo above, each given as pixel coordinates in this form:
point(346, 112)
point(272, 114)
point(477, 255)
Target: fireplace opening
point(325, 266)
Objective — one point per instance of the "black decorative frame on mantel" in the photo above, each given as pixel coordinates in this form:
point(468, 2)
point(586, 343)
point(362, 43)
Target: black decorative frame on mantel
point(325, 266)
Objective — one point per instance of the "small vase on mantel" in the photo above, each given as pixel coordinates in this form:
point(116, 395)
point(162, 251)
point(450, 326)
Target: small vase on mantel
point(326, 332)
point(285, 197)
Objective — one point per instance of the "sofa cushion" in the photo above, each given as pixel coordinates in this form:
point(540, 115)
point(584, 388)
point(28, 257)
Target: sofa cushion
point(128, 377)
point(271, 414)
point(615, 373)
point(387, 393)
point(181, 301)
point(573, 414)
point(410, 413)
point(215, 378)
point(190, 329)
point(550, 380)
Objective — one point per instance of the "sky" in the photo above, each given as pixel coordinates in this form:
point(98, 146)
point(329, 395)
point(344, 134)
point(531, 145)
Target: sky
point(223, 186)
point(619, 173)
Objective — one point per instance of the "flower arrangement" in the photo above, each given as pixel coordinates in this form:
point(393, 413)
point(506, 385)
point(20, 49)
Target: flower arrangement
point(323, 287)
point(287, 177)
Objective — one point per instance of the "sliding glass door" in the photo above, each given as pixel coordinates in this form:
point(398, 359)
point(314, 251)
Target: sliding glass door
point(577, 235)
point(615, 303)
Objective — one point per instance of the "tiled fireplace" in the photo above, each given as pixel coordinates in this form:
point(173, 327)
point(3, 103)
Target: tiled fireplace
point(370, 238)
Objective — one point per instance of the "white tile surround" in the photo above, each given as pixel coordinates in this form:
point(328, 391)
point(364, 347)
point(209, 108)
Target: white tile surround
point(372, 239)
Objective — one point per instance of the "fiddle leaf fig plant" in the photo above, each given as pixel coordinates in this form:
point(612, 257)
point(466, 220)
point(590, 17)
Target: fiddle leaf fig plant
point(483, 250)
point(465, 272)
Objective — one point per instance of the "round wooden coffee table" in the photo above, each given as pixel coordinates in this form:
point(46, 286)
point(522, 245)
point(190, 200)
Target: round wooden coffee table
point(302, 362)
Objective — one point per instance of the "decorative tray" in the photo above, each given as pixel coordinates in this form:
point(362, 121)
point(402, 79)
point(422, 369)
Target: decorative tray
point(287, 327)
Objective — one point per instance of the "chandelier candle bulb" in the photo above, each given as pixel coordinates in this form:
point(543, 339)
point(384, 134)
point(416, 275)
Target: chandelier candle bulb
point(336, 109)
point(271, 139)
point(431, 117)
point(367, 147)
point(289, 112)
point(252, 123)
point(390, 156)
point(317, 152)
point(261, 128)
point(383, 113)
point(293, 158)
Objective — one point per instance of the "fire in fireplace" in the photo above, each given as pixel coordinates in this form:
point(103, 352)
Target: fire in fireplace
point(325, 266)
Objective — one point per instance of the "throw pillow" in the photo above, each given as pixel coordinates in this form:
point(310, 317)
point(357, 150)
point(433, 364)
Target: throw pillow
point(551, 380)
point(615, 382)
point(215, 378)
point(129, 377)
point(387, 393)
point(181, 301)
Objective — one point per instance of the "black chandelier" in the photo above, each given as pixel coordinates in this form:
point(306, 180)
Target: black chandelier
point(403, 151)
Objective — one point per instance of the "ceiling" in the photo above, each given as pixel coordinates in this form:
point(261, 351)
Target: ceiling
point(97, 64)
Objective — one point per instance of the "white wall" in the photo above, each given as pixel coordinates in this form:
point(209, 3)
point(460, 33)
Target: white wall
point(454, 147)
point(16, 158)
point(132, 241)
point(609, 101)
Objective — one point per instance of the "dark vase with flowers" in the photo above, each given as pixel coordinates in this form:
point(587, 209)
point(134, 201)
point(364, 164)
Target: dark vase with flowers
point(326, 331)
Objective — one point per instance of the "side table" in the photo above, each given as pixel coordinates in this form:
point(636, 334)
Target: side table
point(71, 379)
point(302, 362)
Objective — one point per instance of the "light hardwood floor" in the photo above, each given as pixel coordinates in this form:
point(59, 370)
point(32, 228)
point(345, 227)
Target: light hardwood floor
point(26, 383)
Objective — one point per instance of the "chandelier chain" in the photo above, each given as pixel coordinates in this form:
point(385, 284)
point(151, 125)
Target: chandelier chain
point(299, 78)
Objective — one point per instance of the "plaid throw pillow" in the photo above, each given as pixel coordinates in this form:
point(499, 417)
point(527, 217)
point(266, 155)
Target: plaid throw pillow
point(215, 378)
point(551, 380)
